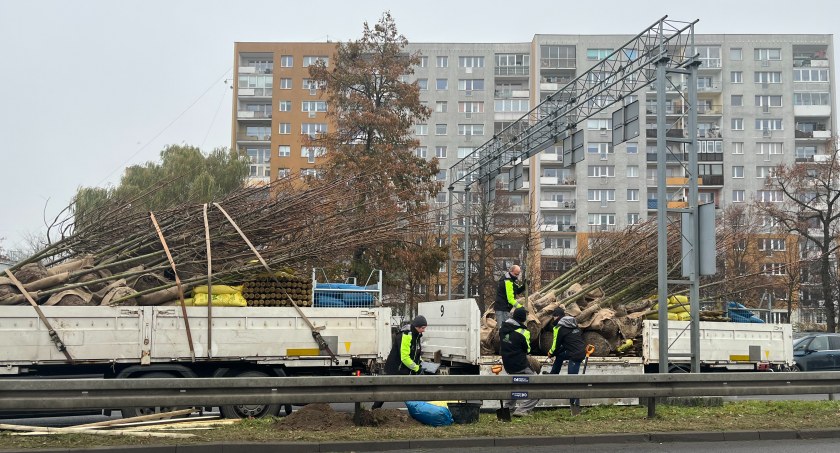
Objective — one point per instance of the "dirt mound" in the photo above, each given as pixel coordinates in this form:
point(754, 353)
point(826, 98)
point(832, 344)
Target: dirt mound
point(387, 418)
point(316, 417)
point(322, 417)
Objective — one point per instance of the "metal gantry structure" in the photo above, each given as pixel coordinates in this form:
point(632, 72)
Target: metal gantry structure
point(650, 58)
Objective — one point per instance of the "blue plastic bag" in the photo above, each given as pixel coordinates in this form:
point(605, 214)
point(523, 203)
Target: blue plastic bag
point(429, 414)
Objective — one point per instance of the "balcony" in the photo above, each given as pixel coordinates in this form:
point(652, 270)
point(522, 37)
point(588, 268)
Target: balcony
point(677, 204)
point(253, 138)
point(710, 157)
point(512, 70)
point(676, 181)
point(812, 110)
point(711, 180)
point(558, 228)
point(674, 133)
point(254, 92)
point(548, 180)
point(505, 94)
point(551, 157)
point(248, 115)
point(557, 252)
point(821, 135)
point(669, 158)
point(551, 204)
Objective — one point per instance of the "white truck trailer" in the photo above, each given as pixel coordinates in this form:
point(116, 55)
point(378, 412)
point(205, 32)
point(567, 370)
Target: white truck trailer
point(455, 327)
point(152, 342)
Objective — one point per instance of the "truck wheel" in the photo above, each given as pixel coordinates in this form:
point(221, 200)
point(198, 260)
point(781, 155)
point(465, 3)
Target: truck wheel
point(139, 411)
point(251, 410)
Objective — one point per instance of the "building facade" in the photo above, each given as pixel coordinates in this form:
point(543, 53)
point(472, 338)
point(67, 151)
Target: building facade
point(763, 100)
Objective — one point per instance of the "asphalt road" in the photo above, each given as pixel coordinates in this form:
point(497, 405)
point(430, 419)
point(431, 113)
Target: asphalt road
point(763, 446)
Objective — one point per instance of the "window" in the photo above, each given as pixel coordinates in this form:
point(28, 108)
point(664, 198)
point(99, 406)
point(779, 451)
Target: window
point(770, 148)
point(420, 152)
point(311, 152)
point(285, 106)
point(285, 84)
point(737, 124)
point(440, 106)
point(811, 98)
point(599, 148)
point(709, 56)
point(632, 171)
point(464, 151)
point(512, 105)
point(312, 84)
point(309, 60)
point(737, 196)
point(558, 243)
point(600, 195)
point(471, 62)
point(470, 129)
point(736, 54)
point(314, 106)
point(558, 57)
point(424, 62)
point(632, 218)
point(810, 75)
point(632, 148)
point(773, 268)
point(285, 128)
point(736, 77)
point(599, 124)
point(737, 171)
point(763, 172)
point(736, 100)
point(440, 129)
point(768, 54)
point(441, 176)
point(287, 61)
point(440, 152)
point(259, 162)
point(442, 62)
point(512, 64)
point(709, 146)
point(805, 152)
point(441, 84)
point(770, 196)
point(774, 124)
point(601, 219)
point(261, 84)
point(471, 84)
point(285, 151)
point(768, 77)
point(308, 173)
point(423, 84)
point(632, 194)
point(598, 54)
point(312, 129)
point(471, 107)
point(737, 147)
point(769, 101)
point(283, 173)
point(597, 171)
point(421, 129)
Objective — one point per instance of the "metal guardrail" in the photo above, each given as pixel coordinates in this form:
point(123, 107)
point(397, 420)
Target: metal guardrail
point(113, 393)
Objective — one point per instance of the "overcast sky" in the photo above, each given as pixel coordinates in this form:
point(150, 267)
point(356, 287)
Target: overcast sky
point(90, 87)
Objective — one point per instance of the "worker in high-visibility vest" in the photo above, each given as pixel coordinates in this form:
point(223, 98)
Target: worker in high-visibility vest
point(406, 351)
point(515, 345)
point(507, 289)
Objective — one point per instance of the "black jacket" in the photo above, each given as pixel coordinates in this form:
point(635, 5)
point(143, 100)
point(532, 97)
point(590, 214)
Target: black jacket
point(507, 289)
point(515, 345)
point(405, 352)
point(568, 338)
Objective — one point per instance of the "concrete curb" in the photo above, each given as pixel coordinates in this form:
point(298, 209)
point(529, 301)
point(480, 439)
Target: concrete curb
point(487, 442)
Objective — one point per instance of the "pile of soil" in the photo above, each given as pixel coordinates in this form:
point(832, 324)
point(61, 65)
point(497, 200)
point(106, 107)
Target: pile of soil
point(387, 418)
point(322, 417)
point(316, 417)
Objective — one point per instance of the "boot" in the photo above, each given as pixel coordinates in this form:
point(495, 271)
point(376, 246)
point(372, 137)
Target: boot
point(575, 409)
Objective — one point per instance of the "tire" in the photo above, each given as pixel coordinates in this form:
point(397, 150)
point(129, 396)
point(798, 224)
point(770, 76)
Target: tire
point(140, 411)
point(252, 410)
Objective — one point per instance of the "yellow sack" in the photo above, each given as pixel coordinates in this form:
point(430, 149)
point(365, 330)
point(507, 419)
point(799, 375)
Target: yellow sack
point(189, 301)
point(220, 300)
point(441, 403)
point(218, 289)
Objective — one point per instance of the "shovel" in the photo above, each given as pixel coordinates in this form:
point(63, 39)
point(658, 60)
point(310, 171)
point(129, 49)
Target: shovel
point(589, 350)
point(502, 413)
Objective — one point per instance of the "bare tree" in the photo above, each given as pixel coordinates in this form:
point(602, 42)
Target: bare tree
point(805, 199)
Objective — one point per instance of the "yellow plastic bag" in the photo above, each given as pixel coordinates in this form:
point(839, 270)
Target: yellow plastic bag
point(218, 289)
point(220, 300)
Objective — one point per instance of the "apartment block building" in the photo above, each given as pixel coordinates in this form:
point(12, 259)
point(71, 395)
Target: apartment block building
point(763, 100)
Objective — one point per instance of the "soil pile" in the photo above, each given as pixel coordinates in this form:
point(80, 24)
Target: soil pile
point(322, 417)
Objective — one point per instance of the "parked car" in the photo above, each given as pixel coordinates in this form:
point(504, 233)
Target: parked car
point(817, 351)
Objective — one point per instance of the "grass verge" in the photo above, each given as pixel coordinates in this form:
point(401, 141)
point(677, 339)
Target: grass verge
point(746, 415)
